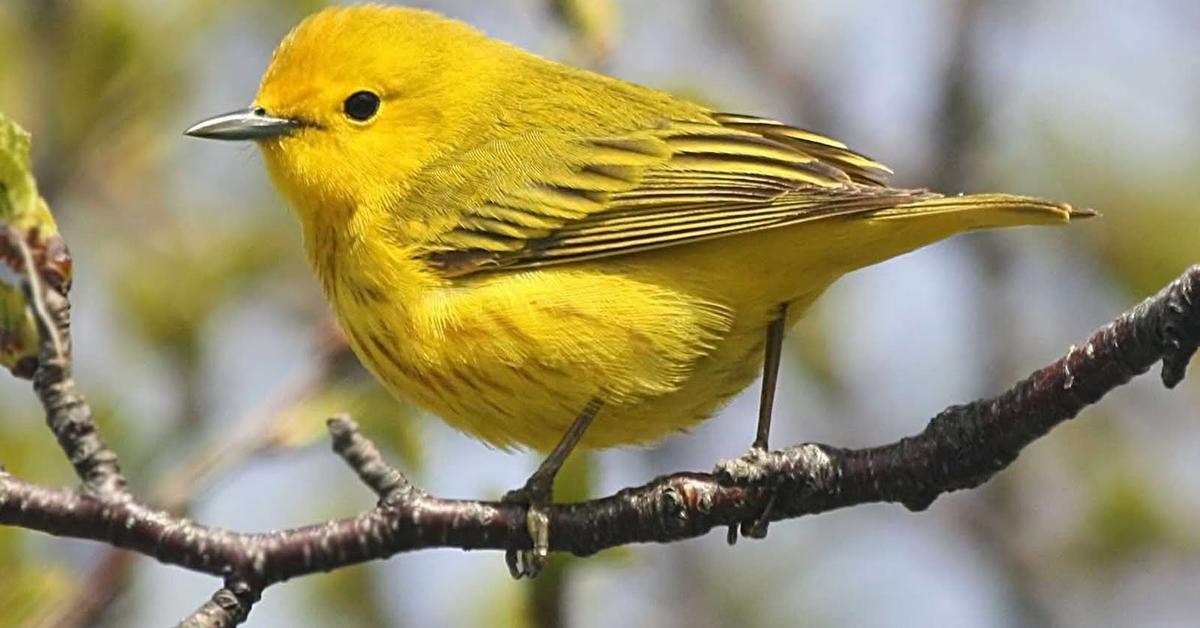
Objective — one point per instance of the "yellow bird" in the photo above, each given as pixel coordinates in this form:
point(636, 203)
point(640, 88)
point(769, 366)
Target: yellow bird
point(548, 257)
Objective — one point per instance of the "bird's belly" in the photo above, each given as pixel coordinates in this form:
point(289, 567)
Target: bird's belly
point(467, 378)
point(533, 404)
point(735, 363)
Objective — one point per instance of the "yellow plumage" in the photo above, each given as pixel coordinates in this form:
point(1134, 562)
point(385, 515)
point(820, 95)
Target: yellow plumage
point(507, 238)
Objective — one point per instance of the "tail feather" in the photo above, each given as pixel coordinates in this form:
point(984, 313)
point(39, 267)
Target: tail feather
point(989, 211)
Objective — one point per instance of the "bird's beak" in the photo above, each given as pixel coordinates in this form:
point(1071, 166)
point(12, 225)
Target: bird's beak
point(247, 124)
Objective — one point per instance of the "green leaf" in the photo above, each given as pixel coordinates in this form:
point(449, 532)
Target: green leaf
point(20, 205)
point(24, 217)
point(16, 184)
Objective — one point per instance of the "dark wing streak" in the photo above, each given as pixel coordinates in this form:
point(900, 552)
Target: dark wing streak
point(558, 249)
point(535, 258)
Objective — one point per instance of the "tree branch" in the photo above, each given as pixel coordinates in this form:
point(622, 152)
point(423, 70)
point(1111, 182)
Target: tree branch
point(961, 448)
point(367, 461)
point(67, 413)
point(229, 606)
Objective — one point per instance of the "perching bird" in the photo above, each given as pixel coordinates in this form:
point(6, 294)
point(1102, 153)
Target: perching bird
point(551, 258)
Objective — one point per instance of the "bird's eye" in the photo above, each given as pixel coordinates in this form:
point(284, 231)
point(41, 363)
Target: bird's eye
point(361, 106)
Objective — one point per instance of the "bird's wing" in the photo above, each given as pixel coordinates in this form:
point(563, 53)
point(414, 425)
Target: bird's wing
point(679, 183)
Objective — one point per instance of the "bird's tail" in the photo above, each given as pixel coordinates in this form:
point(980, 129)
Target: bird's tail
point(987, 211)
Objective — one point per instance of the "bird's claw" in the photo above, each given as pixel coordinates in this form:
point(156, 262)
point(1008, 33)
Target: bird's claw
point(749, 470)
point(528, 563)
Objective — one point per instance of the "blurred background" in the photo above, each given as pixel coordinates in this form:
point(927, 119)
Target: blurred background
point(207, 348)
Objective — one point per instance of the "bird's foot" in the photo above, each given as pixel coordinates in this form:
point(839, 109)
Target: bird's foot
point(538, 493)
point(749, 470)
point(527, 563)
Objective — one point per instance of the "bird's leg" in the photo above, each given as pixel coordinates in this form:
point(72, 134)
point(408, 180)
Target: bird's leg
point(538, 492)
point(757, 528)
point(766, 403)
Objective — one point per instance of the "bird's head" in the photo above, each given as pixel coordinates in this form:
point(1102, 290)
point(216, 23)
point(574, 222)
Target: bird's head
point(357, 99)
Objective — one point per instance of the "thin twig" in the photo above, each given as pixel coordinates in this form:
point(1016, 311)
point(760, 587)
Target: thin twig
point(229, 606)
point(35, 292)
point(67, 413)
point(367, 461)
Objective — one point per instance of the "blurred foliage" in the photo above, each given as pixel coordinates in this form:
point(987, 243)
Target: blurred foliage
point(496, 606)
point(593, 24)
point(1147, 211)
point(390, 424)
point(94, 86)
point(28, 586)
point(168, 293)
point(347, 597)
point(1125, 519)
point(97, 79)
point(809, 341)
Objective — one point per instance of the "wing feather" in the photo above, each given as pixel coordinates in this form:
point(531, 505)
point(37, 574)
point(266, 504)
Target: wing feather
point(686, 181)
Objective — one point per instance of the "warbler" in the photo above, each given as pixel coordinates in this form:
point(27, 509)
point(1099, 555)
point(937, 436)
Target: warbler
point(546, 257)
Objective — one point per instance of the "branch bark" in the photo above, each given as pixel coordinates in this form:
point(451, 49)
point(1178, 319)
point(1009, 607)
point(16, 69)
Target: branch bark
point(229, 606)
point(962, 447)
